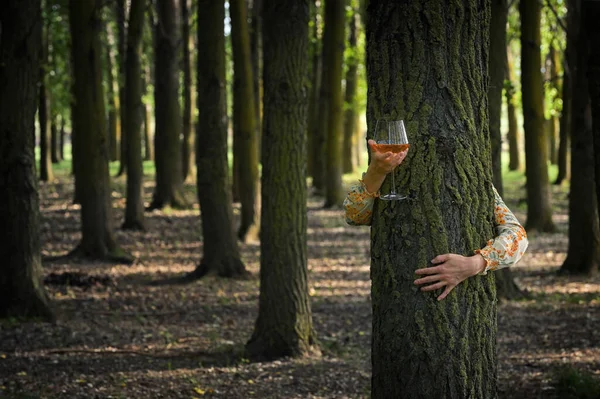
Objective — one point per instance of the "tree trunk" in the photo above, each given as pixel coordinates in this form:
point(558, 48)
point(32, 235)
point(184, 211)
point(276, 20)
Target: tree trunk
point(513, 135)
point(420, 71)
point(243, 122)
point(21, 290)
point(148, 148)
point(54, 151)
point(256, 58)
point(564, 162)
point(44, 112)
point(122, 43)
point(221, 252)
point(187, 153)
point(114, 122)
point(284, 323)
point(553, 123)
point(333, 46)
point(497, 65)
point(350, 98)
point(91, 172)
point(61, 145)
point(167, 143)
point(134, 209)
point(591, 11)
point(314, 102)
point(539, 204)
point(583, 254)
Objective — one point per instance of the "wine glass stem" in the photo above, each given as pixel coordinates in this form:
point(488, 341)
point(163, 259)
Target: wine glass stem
point(393, 190)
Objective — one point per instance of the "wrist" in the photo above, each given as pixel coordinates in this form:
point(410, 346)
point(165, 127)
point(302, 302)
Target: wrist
point(479, 263)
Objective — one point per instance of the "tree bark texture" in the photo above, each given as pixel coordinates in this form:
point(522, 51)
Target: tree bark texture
point(91, 145)
point(187, 145)
point(244, 127)
point(167, 142)
point(21, 290)
point(427, 64)
point(539, 203)
point(333, 47)
point(350, 117)
point(513, 135)
point(497, 65)
point(284, 323)
point(134, 208)
point(221, 252)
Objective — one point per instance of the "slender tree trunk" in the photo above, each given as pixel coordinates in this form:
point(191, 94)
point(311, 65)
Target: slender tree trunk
point(55, 154)
point(256, 58)
point(187, 153)
point(122, 44)
point(221, 252)
point(148, 148)
point(134, 209)
point(333, 45)
point(553, 124)
point(513, 135)
point(314, 101)
point(419, 348)
point(91, 172)
point(114, 122)
point(539, 203)
point(21, 290)
point(497, 65)
point(591, 11)
point(350, 98)
point(564, 155)
point(167, 142)
point(583, 255)
point(284, 323)
point(44, 113)
point(243, 122)
point(61, 145)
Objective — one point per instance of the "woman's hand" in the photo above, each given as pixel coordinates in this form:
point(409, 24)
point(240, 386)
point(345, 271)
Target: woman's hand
point(450, 270)
point(384, 162)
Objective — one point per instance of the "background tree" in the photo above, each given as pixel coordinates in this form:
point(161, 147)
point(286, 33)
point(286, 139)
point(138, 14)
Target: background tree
point(314, 139)
point(221, 252)
point(284, 323)
point(114, 105)
point(91, 146)
point(450, 173)
point(350, 117)
point(333, 49)
point(21, 290)
point(121, 20)
point(44, 110)
point(513, 135)
point(167, 143)
point(256, 59)
point(134, 209)
point(187, 147)
point(244, 127)
point(539, 206)
point(591, 12)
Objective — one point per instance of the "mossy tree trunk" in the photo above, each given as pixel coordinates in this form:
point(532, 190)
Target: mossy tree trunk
point(114, 105)
point(91, 172)
point(314, 100)
point(187, 145)
point(284, 323)
point(221, 252)
point(539, 203)
point(167, 143)
point(121, 19)
point(333, 47)
point(134, 208)
point(591, 11)
point(427, 63)
point(350, 97)
point(244, 126)
point(497, 65)
point(21, 290)
point(513, 135)
point(44, 111)
point(583, 255)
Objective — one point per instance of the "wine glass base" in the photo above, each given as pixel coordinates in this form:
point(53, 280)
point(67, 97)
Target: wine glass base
point(393, 197)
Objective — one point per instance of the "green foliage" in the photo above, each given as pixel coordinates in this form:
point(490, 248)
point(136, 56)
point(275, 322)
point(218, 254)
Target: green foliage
point(571, 383)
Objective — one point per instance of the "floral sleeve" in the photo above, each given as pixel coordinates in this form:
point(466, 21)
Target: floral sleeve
point(359, 205)
point(510, 242)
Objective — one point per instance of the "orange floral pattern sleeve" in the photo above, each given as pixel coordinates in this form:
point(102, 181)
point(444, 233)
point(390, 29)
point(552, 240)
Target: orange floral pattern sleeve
point(504, 250)
point(510, 242)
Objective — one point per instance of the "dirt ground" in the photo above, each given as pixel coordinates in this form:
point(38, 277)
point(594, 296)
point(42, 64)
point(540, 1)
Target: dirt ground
point(120, 336)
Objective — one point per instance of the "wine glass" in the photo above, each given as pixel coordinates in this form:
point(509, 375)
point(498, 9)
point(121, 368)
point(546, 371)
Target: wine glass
point(390, 136)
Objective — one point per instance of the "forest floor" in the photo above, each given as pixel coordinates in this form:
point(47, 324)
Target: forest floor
point(118, 335)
